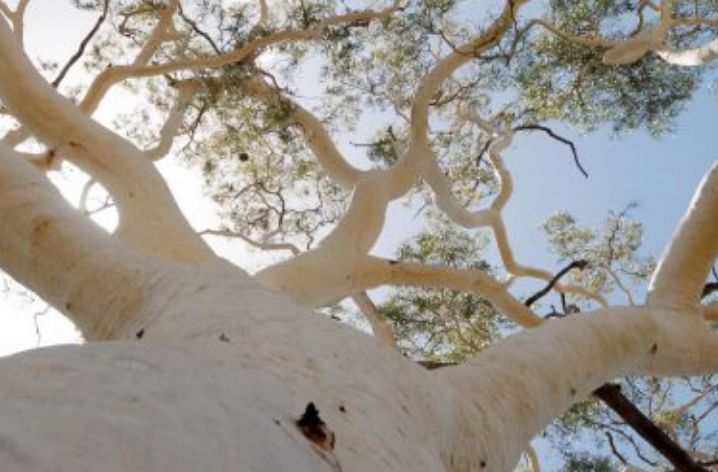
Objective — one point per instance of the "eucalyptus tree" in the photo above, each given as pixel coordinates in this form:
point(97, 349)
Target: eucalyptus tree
point(191, 363)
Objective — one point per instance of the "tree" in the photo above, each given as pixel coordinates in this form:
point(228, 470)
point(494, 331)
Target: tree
point(190, 363)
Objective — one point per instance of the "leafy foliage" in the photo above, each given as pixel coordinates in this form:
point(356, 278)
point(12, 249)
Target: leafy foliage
point(441, 324)
point(559, 80)
point(611, 250)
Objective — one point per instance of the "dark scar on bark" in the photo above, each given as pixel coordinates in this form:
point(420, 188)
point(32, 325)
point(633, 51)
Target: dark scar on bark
point(314, 429)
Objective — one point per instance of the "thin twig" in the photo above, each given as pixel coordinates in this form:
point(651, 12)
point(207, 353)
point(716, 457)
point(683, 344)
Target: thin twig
point(614, 449)
point(555, 136)
point(545, 129)
point(544, 291)
point(81, 50)
point(199, 31)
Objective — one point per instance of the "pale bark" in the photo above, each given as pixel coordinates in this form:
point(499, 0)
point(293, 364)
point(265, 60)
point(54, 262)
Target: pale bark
point(149, 216)
point(681, 273)
point(694, 57)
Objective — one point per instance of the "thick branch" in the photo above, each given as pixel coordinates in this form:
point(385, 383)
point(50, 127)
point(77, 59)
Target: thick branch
point(530, 378)
point(687, 260)
point(149, 216)
point(612, 396)
point(62, 256)
point(374, 272)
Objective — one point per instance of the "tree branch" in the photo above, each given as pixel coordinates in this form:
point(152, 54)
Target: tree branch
point(379, 324)
point(149, 216)
point(62, 256)
point(611, 395)
point(679, 278)
point(582, 264)
point(550, 132)
point(259, 245)
point(83, 44)
point(171, 127)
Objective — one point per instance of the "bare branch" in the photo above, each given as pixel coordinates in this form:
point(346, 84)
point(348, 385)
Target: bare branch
point(550, 132)
point(544, 291)
point(260, 245)
point(680, 276)
point(83, 44)
point(171, 127)
point(612, 396)
point(379, 324)
point(614, 449)
point(333, 162)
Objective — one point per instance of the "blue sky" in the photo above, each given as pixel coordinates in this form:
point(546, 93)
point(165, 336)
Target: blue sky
point(660, 174)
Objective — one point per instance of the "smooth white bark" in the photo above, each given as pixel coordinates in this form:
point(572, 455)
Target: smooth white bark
point(681, 273)
point(149, 216)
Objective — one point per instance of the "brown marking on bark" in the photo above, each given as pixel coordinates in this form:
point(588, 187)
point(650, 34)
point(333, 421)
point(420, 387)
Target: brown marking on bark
point(654, 348)
point(44, 226)
point(314, 429)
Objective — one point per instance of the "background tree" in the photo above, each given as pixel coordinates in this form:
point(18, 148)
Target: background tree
point(273, 385)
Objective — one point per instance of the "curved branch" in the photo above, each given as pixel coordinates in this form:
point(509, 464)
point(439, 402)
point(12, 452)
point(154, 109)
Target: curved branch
point(171, 127)
point(320, 142)
point(555, 136)
point(374, 272)
point(544, 291)
point(114, 75)
point(405, 172)
point(533, 457)
point(149, 216)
